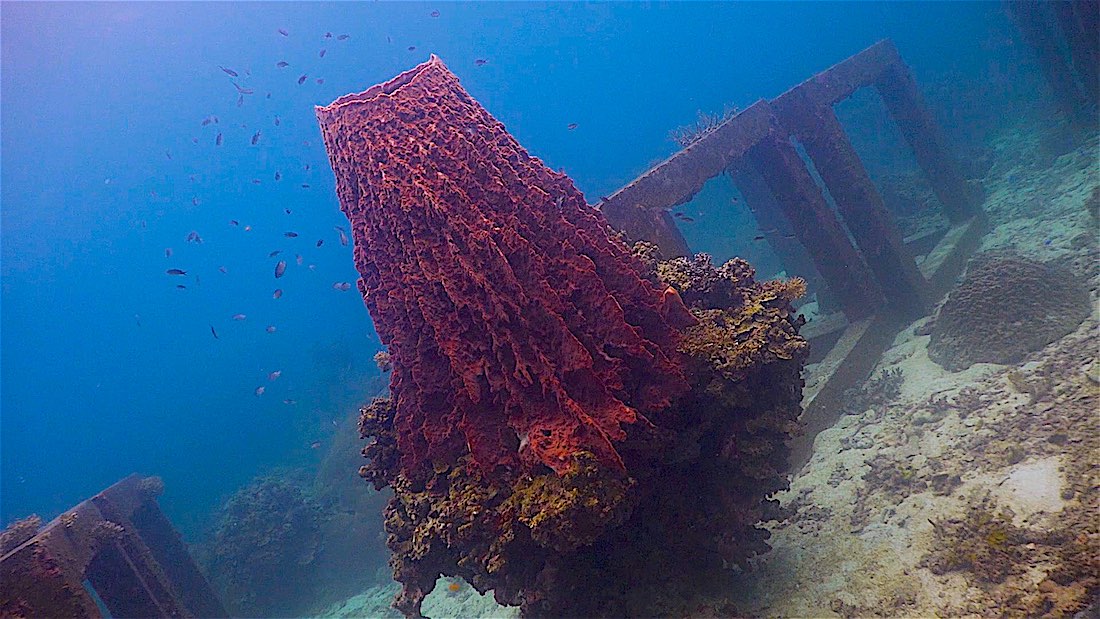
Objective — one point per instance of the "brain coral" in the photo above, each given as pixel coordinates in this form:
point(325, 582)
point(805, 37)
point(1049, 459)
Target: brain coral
point(1005, 307)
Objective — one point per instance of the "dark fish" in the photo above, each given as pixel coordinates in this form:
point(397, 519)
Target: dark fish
point(259, 391)
point(234, 222)
point(320, 80)
point(290, 235)
point(328, 35)
point(176, 272)
point(168, 154)
point(167, 252)
point(137, 319)
point(194, 140)
point(277, 175)
point(229, 72)
point(282, 64)
point(305, 185)
point(343, 236)
point(412, 48)
point(274, 253)
point(759, 237)
point(481, 62)
point(315, 444)
point(213, 332)
point(283, 32)
point(195, 201)
point(243, 91)
point(218, 140)
point(290, 402)
point(270, 329)
point(341, 286)
point(269, 95)
point(321, 53)
point(277, 121)
point(287, 211)
point(687, 219)
point(191, 178)
point(256, 138)
point(434, 13)
point(302, 80)
point(571, 126)
point(256, 181)
point(788, 236)
point(193, 237)
point(239, 316)
point(307, 167)
point(240, 100)
point(223, 269)
point(181, 286)
point(206, 121)
point(320, 242)
point(343, 37)
point(277, 294)
point(280, 269)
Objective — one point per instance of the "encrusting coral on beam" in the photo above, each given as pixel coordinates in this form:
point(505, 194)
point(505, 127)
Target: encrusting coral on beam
point(565, 429)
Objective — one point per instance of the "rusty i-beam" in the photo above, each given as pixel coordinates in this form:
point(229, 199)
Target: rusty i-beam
point(115, 555)
point(857, 249)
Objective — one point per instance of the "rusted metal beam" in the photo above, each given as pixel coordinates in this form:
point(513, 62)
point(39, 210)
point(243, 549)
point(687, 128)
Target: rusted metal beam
point(839, 81)
point(118, 541)
point(816, 226)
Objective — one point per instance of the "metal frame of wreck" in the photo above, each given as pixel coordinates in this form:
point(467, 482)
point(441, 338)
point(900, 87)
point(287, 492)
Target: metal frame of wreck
point(876, 281)
point(121, 544)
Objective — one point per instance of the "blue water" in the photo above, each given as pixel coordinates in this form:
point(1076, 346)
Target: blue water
point(108, 368)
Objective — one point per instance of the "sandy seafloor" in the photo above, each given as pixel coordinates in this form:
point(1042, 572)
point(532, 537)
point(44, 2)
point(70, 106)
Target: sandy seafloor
point(860, 515)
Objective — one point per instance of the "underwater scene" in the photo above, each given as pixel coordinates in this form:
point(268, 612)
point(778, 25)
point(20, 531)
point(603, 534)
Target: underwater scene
point(550, 309)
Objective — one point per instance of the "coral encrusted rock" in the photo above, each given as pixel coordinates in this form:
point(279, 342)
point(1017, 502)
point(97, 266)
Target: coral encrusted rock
point(1005, 307)
point(564, 429)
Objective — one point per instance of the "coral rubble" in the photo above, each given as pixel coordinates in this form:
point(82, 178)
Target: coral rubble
point(1005, 307)
point(564, 428)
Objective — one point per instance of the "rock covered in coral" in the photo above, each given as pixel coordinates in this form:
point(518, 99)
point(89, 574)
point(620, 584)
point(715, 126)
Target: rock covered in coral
point(519, 330)
point(696, 482)
point(1005, 307)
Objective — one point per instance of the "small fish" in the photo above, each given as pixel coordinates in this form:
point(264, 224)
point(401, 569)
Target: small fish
point(167, 252)
point(687, 219)
point(320, 242)
point(223, 269)
point(248, 228)
point(274, 375)
point(213, 332)
point(789, 236)
point(195, 202)
point(240, 100)
point(277, 294)
point(302, 80)
point(278, 176)
point(277, 121)
point(343, 236)
point(341, 286)
point(434, 13)
point(195, 140)
point(412, 48)
point(274, 253)
point(193, 237)
point(298, 258)
point(315, 444)
point(218, 140)
point(290, 402)
point(229, 72)
point(137, 319)
point(305, 185)
point(287, 211)
point(571, 126)
point(168, 154)
point(206, 121)
point(269, 95)
point(256, 138)
point(320, 80)
point(328, 35)
point(282, 64)
point(759, 237)
point(321, 53)
point(280, 269)
point(259, 391)
point(234, 222)
point(176, 272)
point(241, 90)
point(290, 235)
point(306, 167)
point(239, 316)
point(343, 37)
point(181, 286)
point(256, 181)
point(270, 329)
point(283, 32)
point(312, 267)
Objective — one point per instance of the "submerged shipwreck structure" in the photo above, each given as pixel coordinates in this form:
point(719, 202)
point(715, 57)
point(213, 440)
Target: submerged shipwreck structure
point(590, 429)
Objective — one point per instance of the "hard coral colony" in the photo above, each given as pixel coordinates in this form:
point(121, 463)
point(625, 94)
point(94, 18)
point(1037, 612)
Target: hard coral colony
point(560, 421)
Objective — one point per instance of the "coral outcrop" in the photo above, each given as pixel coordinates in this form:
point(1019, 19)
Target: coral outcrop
point(1005, 307)
point(563, 429)
point(519, 331)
